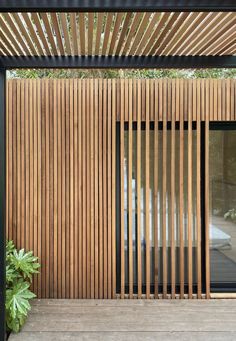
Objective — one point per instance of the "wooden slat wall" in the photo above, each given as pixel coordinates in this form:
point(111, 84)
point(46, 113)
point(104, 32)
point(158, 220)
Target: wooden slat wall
point(61, 177)
point(57, 173)
point(222, 90)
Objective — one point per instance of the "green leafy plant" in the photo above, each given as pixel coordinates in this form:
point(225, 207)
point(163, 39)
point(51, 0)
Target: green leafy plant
point(20, 267)
point(231, 215)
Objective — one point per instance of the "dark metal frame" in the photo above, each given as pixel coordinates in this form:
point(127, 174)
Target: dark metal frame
point(116, 5)
point(222, 287)
point(118, 62)
point(2, 200)
point(94, 62)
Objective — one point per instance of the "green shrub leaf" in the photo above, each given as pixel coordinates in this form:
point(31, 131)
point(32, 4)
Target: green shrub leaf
point(20, 266)
point(25, 262)
point(17, 299)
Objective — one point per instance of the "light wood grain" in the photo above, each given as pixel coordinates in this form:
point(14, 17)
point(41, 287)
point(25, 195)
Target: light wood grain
point(118, 33)
point(181, 185)
point(164, 180)
point(139, 250)
point(156, 163)
point(130, 190)
point(192, 108)
point(172, 165)
point(61, 178)
point(122, 237)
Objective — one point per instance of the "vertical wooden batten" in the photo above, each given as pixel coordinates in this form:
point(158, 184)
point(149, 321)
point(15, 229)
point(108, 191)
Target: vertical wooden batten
point(156, 213)
point(113, 186)
point(109, 189)
point(139, 146)
point(181, 186)
point(122, 235)
point(200, 99)
point(172, 166)
point(130, 189)
point(191, 114)
point(147, 186)
point(96, 187)
point(209, 108)
point(164, 183)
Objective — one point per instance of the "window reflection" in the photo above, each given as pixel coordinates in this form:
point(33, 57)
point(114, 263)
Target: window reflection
point(222, 177)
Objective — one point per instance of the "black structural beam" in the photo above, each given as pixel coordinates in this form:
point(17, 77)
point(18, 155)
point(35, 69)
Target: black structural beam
point(2, 202)
point(117, 62)
point(116, 5)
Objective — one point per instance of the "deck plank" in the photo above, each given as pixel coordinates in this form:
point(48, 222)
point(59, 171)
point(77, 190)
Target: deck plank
point(120, 336)
point(124, 320)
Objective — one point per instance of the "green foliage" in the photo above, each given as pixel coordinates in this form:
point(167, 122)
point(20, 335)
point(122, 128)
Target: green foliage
point(20, 266)
point(231, 215)
point(150, 73)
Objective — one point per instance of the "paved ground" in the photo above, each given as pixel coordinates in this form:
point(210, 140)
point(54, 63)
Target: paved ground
point(57, 320)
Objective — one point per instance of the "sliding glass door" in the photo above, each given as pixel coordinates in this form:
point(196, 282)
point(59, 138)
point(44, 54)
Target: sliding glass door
point(222, 185)
point(189, 200)
point(165, 208)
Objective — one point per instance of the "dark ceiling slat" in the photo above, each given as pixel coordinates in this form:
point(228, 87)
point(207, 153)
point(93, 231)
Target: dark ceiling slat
point(116, 5)
point(125, 62)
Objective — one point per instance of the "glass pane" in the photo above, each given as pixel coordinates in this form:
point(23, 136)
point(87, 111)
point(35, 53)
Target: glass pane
point(222, 177)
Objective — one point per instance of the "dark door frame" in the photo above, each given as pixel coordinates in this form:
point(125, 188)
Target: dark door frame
point(222, 126)
point(2, 200)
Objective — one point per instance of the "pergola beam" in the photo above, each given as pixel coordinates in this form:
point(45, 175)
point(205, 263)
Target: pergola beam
point(117, 5)
point(117, 62)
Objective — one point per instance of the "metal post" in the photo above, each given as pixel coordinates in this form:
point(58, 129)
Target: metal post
point(2, 201)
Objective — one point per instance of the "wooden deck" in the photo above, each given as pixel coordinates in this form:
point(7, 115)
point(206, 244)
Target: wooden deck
point(130, 320)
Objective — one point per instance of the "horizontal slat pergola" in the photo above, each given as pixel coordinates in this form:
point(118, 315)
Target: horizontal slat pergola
point(108, 34)
point(118, 34)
